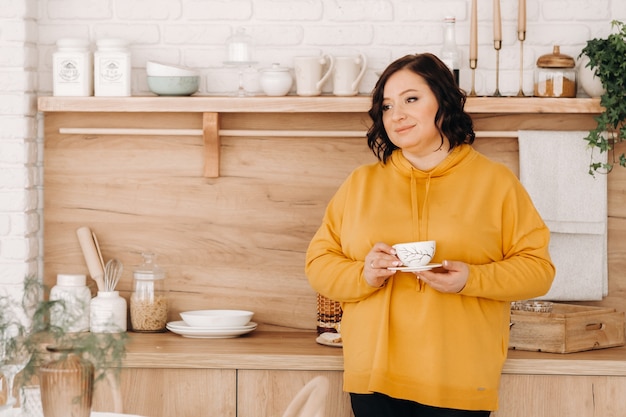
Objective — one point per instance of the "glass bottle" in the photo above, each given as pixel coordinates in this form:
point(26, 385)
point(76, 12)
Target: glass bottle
point(149, 301)
point(450, 54)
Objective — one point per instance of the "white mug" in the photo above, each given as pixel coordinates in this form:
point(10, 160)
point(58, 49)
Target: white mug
point(349, 71)
point(310, 76)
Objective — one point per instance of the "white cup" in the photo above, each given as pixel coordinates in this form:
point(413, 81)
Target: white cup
point(310, 75)
point(349, 71)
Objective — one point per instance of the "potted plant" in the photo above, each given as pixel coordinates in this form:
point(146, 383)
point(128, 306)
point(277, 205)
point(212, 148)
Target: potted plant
point(29, 344)
point(606, 57)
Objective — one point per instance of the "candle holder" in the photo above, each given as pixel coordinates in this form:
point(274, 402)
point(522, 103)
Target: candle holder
point(521, 35)
point(473, 63)
point(497, 45)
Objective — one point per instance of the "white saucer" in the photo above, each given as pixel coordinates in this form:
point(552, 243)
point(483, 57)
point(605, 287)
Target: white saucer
point(215, 333)
point(414, 268)
point(180, 324)
point(329, 339)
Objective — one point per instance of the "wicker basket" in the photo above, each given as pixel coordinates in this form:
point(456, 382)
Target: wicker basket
point(328, 315)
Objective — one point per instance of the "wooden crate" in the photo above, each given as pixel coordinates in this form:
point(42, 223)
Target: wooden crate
point(568, 328)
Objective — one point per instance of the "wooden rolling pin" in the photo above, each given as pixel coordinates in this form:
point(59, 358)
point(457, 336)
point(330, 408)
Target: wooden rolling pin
point(90, 251)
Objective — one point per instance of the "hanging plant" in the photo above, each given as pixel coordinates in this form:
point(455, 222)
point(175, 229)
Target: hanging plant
point(607, 58)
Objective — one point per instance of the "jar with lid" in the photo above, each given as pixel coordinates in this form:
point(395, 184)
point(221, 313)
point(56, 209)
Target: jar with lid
point(555, 75)
point(72, 68)
point(149, 300)
point(112, 69)
point(71, 297)
point(276, 80)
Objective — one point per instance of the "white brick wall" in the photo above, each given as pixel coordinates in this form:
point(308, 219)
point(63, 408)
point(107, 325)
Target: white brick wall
point(20, 167)
point(194, 32)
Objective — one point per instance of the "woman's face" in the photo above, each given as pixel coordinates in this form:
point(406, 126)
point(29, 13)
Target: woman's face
point(409, 109)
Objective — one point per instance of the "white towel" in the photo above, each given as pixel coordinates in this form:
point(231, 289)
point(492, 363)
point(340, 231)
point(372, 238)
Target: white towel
point(554, 168)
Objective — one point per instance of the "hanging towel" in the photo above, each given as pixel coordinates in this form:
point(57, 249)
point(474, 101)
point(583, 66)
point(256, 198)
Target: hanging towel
point(554, 168)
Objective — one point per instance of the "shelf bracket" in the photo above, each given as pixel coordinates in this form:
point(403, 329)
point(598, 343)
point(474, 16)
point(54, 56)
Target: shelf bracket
point(211, 138)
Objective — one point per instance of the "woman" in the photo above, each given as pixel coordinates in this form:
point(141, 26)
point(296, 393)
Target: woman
point(430, 343)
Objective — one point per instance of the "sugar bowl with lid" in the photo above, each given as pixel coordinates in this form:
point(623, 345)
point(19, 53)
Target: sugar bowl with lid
point(276, 80)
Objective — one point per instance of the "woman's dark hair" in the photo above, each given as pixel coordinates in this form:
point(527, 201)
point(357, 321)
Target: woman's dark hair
point(451, 120)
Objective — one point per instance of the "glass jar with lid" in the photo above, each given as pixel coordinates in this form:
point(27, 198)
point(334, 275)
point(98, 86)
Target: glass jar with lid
point(149, 299)
point(555, 75)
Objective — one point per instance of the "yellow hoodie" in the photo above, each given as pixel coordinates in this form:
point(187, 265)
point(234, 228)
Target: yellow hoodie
point(407, 340)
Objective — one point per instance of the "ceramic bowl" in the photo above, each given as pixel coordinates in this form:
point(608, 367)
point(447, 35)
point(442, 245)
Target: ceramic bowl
point(415, 253)
point(173, 85)
point(156, 69)
point(216, 318)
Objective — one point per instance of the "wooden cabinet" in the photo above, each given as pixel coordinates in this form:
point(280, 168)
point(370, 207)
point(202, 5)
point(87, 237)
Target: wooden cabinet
point(259, 374)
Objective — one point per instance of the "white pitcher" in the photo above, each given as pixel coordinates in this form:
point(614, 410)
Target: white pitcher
point(310, 75)
point(349, 71)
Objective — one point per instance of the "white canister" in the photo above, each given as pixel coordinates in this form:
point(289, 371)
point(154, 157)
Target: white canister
point(108, 313)
point(276, 80)
point(112, 68)
point(71, 308)
point(72, 68)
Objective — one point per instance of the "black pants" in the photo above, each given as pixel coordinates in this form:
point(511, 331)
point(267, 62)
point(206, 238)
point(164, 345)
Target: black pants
point(380, 405)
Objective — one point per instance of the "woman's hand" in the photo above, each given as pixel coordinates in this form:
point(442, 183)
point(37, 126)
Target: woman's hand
point(380, 257)
point(451, 278)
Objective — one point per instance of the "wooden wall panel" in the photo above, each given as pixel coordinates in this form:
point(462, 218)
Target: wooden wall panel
point(239, 240)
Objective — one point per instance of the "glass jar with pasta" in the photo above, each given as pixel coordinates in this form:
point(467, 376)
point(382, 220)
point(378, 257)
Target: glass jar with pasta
point(148, 301)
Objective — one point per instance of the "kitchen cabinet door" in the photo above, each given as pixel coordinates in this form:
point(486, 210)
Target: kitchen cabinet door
point(173, 392)
point(267, 393)
point(561, 395)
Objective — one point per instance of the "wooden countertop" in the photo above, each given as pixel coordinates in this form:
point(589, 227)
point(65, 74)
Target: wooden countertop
point(299, 351)
point(296, 104)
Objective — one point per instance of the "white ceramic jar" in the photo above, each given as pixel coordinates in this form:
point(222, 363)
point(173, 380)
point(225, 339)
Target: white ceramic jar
point(72, 68)
point(112, 69)
point(108, 313)
point(71, 308)
point(276, 80)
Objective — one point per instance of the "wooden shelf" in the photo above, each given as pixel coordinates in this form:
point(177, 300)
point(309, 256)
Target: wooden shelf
point(296, 104)
point(214, 108)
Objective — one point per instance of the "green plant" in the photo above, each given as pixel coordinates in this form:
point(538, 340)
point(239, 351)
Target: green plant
point(28, 322)
point(607, 58)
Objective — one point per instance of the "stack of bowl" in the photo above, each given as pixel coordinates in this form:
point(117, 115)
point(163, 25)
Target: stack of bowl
point(171, 80)
point(213, 323)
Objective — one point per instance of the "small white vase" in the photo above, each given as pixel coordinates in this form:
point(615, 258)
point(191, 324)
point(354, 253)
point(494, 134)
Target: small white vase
point(588, 80)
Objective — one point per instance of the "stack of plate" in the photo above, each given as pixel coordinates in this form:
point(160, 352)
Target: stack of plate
point(216, 324)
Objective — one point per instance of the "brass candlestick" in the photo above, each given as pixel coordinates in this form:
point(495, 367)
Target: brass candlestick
point(473, 63)
point(521, 36)
point(497, 45)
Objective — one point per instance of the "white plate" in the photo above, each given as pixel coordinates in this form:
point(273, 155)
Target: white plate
point(212, 333)
point(184, 326)
point(329, 339)
point(414, 268)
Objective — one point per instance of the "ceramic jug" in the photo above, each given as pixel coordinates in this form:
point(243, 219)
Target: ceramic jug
point(310, 75)
point(349, 71)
